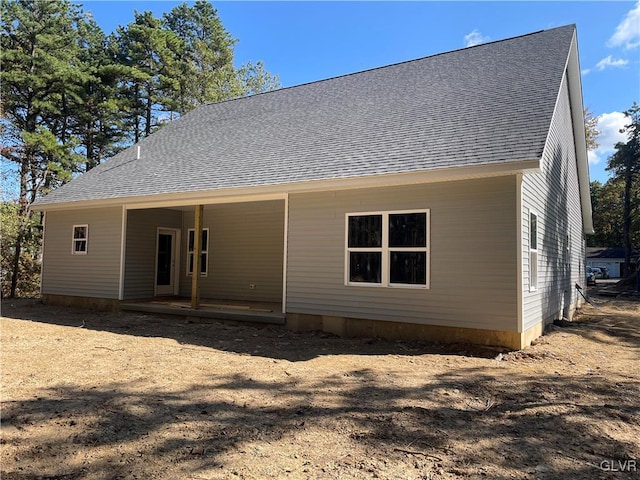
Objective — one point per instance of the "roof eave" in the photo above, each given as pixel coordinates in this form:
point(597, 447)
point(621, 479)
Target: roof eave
point(278, 191)
point(577, 114)
point(572, 69)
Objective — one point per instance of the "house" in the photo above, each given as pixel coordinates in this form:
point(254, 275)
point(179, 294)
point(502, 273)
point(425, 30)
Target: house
point(610, 257)
point(444, 198)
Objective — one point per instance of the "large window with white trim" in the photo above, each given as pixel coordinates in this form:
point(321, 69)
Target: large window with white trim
point(388, 249)
point(204, 254)
point(533, 251)
point(80, 240)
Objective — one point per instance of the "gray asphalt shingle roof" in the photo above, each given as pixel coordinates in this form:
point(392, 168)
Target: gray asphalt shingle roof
point(487, 104)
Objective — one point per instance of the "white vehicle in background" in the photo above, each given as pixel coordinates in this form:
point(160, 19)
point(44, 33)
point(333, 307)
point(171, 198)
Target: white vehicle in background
point(597, 272)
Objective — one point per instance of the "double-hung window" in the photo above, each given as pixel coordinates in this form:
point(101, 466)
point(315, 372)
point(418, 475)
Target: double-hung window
point(533, 252)
point(80, 240)
point(388, 249)
point(204, 254)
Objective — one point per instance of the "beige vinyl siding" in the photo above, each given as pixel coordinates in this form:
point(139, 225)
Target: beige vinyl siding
point(96, 274)
point(141, 240)
point(246, 246)
point(472, 257)
point(554, 196)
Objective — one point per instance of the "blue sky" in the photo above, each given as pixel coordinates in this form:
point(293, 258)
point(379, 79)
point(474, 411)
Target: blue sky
point(306, 41)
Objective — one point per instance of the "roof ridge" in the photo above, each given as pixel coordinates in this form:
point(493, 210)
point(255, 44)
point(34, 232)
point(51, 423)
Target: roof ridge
point(403, 62)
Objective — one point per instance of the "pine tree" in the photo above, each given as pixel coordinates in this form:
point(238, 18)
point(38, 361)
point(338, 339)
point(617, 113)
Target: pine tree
point(206, 67)
point(39, 81)
point(97, 119)
point(207, 72)
point(150, 53)
point(625, 166)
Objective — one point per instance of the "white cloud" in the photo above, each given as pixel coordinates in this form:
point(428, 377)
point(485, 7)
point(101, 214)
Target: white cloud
point(610, 62)
point(585, 71)
point(609, 125)
point(595, 157)
point(627, 33)
point(476, 38)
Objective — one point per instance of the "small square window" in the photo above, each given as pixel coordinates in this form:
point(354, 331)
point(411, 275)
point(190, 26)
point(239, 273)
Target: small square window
point(80, 240)
point(365, 231)
point(365, 267)
point(409, 268)
point(407, 230)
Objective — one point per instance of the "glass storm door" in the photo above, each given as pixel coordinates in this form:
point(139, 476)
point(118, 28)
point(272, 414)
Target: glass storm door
point(166, 262)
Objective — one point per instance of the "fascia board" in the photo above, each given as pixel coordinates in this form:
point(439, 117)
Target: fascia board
point(279, 192)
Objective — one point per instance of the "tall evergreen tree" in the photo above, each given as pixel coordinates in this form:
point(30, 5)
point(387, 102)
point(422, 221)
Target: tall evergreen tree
point(151, 55)
point(97, 119)
point(206, 67)
point(608, 213)
point(38, 81)
point(624, 164)
point(207, 72)
point(255, 79)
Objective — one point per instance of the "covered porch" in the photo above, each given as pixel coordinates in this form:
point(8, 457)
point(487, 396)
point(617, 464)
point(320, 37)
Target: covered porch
point(223, 260)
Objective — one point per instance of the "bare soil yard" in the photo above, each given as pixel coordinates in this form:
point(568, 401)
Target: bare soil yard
point(89, 395)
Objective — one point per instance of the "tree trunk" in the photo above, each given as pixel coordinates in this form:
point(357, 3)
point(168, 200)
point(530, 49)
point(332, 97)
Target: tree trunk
point(24, 187)
point(90, 162)
point(135, 113)
point(147, 126)
point(626, 226)
point(15, 270)
point(65, 119)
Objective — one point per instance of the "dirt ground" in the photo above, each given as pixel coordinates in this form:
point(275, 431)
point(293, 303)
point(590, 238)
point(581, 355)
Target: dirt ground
point(89, 395)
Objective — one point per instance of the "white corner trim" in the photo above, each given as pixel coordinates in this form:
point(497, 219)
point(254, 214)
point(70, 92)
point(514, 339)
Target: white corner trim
point(285, 253)
point(519, 255)
point(123, 242)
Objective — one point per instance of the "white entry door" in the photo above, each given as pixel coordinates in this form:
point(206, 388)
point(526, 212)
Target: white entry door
point(166, 262)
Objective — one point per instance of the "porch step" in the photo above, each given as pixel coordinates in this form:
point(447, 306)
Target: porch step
point(218, 314)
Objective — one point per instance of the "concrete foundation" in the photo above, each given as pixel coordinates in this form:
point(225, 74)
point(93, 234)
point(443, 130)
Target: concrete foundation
point(90, 303)
point(341, 326)
point(355, 327)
